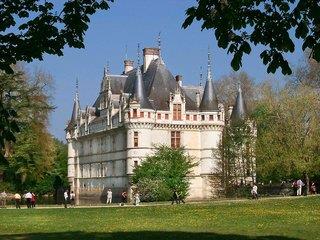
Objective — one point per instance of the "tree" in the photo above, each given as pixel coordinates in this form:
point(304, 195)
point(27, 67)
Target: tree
point(288, 134)
point(236, 158)
point(29, 29)
point(162, 173)
point(240, 24)
point(31, 157)
point(227, 88)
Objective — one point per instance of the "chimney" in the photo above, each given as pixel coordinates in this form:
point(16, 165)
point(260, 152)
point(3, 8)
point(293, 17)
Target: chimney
point(230, 110)
point(149, 54)
point(198, 100)
point(128, 66)
point(179, 80)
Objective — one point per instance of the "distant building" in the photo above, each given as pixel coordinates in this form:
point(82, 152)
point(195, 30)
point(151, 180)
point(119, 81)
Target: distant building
point(133, 112)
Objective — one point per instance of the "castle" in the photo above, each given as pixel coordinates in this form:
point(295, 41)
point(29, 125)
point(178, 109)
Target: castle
point(135, 111)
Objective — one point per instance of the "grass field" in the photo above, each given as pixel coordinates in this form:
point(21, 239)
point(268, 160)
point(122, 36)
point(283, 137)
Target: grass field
point(283, 218)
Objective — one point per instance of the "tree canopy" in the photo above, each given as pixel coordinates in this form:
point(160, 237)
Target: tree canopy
point(161, 173)
point(273, 24)
point(29, 29)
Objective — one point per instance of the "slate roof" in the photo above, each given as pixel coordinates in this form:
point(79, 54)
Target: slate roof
point(158, 82)
point(239, 111)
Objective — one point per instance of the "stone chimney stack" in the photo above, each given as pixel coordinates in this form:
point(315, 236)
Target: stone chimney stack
point(128, 66)
point(179, 80)
point(149, 54)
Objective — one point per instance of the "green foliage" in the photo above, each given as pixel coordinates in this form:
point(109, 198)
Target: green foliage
point(236, 160)
point(161, 173)
point(288, 134)
point(30, 29)
point(240, 24)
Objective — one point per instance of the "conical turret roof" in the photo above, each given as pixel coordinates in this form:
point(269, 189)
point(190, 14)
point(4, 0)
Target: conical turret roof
point(209, 100)
point(239, 111)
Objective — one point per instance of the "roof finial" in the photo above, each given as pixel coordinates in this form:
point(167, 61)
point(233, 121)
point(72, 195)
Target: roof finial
point(138, 62)
point(209, 76)
point(77, 89)
point(107, 75)
point(126, 53)
point(106, 70)
point(159, 41)
point(201, 76)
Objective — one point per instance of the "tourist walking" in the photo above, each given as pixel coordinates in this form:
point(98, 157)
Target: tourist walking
point(254, 191)
point(175, 197)
point(72, 199)
point(109, 196)
point(17, 200)
point(300, 184)
point(3, 198)
point(66, 198)
point(33, 200)
point(28, 197)
point(136, 199)
point(313, 189)
point(123, 198)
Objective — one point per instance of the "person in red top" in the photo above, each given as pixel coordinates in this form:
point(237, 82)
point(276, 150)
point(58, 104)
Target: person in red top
point(33, 200)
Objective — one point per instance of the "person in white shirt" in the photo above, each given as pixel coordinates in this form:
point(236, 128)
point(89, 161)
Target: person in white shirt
point(3, 197)
point(300, 184)
point(109, 196)
point(28, 197)
point(66, 198)
point(254, 191)
point(72, 199)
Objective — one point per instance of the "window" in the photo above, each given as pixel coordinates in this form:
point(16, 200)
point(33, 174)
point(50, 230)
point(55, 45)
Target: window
point(135, 164)
point(166, 116)
point(159, 116)
point(176, 111)
point(134, 113)
point(211, 117)
point(135, 139)
point(142, 114)
point(219, 117)
point(187, 117)
point(175, 139)
point(202, 117)
point(149, 115)
point(195, 117)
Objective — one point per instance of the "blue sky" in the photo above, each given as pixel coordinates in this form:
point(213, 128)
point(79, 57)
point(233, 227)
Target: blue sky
point(130, 22)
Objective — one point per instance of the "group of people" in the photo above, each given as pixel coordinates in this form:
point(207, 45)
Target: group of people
point(124, 197)
point(29, 197)
point(299, 184)
point(69, 198)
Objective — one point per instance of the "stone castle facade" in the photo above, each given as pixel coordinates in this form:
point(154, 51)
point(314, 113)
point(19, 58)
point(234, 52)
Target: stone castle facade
point(135, 111)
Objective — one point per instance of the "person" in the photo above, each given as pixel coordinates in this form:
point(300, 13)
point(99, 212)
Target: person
point(3, 197)
point(254, 192)
point(136, 199)
point(300, 184)
point(33, 200)
point(72, 199)
point(109, 196)
point(28, 197)
point(17, 200)
point(313, 189)
point(66, 197)
point(123, 197)
point(175, 197)
point(294, 188)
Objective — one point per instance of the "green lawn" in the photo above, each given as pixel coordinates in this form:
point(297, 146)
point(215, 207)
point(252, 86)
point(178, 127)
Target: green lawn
point(283, 218)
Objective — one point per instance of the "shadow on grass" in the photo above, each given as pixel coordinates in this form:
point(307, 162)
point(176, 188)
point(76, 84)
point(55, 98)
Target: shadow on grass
point(154, 235)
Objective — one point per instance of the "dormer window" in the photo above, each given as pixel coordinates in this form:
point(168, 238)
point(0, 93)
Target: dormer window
point(176, 111)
